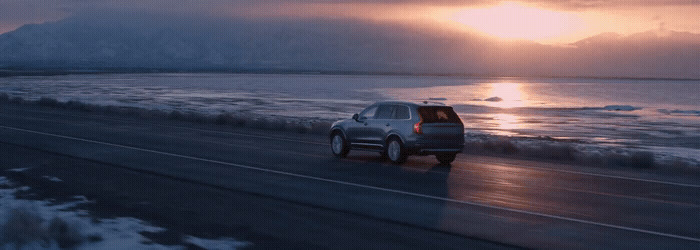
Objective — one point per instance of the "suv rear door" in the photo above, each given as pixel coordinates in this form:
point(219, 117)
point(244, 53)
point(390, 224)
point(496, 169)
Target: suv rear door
point(440, 123)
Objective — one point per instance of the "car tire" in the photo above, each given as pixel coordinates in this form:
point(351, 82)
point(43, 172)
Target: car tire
point(395, 151)
point(339, 146)
point(446, 159)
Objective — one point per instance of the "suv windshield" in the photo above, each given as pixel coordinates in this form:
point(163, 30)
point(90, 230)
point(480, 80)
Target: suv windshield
point(438, 115)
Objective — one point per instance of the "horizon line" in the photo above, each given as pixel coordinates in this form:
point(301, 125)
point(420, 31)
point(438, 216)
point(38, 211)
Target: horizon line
point(53, 71)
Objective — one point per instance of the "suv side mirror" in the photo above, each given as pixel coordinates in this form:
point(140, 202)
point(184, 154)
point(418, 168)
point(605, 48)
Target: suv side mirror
point(355, 117)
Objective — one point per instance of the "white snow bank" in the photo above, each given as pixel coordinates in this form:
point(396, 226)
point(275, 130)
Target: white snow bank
point(17, 169)
point(580, 152)
point(52, 178)
point(117, 233)
point(4, 181)
point(218, 244)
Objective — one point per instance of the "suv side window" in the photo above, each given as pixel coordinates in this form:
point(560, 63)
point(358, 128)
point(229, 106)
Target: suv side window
point(368, 113)
point(384, 112)
point(401, 112)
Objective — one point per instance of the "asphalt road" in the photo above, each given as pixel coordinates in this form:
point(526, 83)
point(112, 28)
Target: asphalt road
point(478, 201)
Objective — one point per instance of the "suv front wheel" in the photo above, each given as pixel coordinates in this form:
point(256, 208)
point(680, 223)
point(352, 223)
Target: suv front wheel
point(395, 151)
point(339, 146)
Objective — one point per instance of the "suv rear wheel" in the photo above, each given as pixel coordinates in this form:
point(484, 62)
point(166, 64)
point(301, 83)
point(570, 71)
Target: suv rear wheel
point(446, 159)
point(395, 151)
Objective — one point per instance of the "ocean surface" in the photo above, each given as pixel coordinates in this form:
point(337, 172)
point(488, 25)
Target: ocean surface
point(662, 116)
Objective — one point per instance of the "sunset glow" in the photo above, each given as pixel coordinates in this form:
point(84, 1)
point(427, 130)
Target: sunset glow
point(511, 20)
point(511, 95)
point(506, 123)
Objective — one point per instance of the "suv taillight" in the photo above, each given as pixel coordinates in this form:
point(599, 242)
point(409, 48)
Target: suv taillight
point(417, 128)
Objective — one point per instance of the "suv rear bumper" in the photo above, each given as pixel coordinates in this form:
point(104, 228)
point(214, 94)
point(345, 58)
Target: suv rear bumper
point(429, 148)
point(432, 151)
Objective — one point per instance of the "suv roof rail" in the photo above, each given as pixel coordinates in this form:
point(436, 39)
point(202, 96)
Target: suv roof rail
point(432, 102)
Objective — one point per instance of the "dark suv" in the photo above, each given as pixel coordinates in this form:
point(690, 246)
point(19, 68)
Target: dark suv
point(398, 129)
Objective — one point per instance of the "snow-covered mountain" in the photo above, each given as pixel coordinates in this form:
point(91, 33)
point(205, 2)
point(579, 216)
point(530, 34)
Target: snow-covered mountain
point(153, 41)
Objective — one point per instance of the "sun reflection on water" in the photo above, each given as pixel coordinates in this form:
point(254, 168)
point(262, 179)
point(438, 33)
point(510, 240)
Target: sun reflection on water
point(506, 95)
point(506, 123)
point(511, 95)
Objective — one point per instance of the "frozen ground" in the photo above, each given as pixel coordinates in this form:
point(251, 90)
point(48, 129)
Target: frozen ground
point(46, 224)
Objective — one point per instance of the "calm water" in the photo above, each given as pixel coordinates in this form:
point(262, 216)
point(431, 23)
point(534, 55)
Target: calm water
point(652, 114)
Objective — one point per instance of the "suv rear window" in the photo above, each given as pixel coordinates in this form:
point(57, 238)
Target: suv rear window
point(438, 115)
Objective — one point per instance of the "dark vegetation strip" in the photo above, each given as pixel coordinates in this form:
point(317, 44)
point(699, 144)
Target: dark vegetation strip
point(229, 119)
point(569, 153)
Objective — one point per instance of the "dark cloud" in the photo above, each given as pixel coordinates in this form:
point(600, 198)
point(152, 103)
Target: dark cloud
point(24, 6)
point(14, 13)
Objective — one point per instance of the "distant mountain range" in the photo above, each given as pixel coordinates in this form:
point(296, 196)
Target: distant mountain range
point(160, 42)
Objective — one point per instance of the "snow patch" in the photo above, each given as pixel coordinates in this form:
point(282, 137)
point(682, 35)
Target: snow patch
point(52, 178)
point(17, 169)
point(113, 233)
point(218, 244)
point(122, 233)
point(580, 151)
point(4, 181)
point(80, 198)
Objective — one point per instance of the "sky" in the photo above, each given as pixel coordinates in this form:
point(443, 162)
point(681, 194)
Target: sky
point(598, 38)
point(542, 21)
